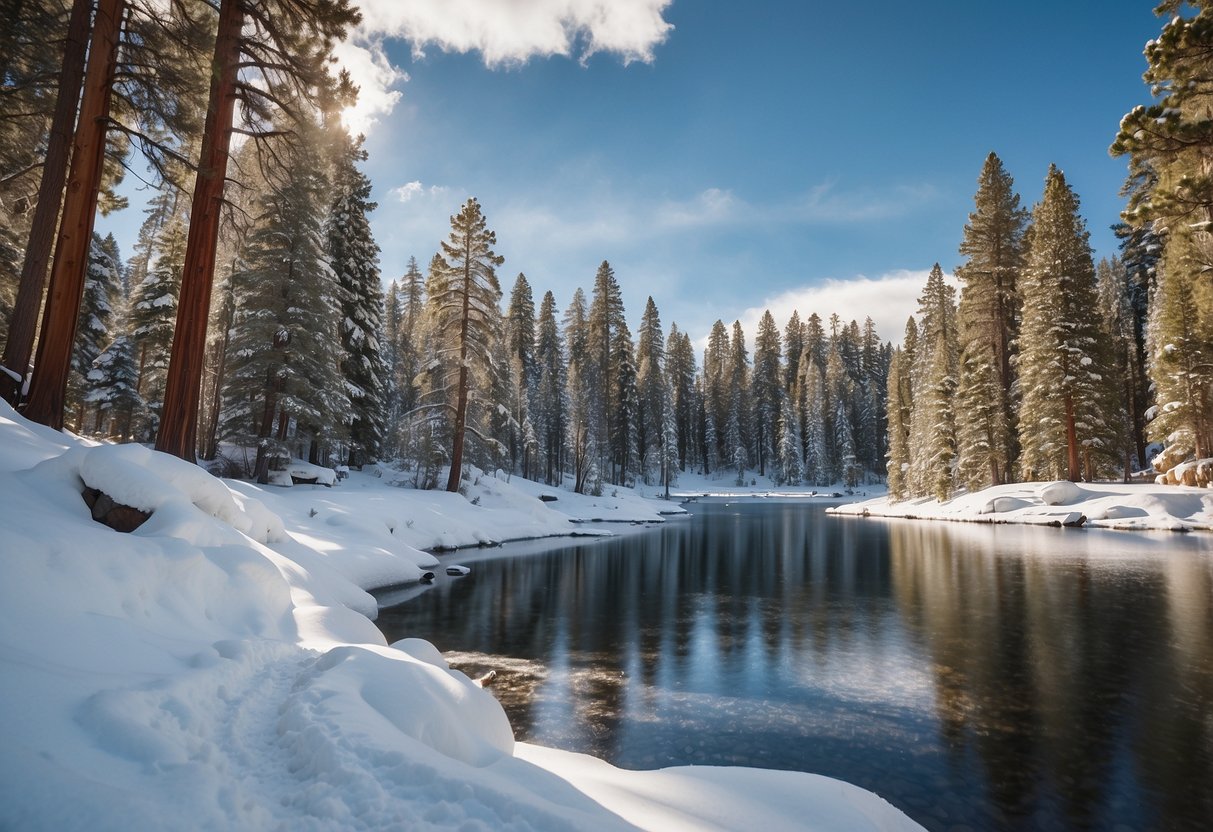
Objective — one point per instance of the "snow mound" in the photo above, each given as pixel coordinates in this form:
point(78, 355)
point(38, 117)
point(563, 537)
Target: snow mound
point(999, 505)
point(1060, 493)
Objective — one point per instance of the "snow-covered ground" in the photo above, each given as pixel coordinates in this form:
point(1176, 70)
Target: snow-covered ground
point(217, 668)
point(1106, 505)
point(690, 485)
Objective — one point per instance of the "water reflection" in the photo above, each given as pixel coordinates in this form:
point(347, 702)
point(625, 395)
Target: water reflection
point(989, 677)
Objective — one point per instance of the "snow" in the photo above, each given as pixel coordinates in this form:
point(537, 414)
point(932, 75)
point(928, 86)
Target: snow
point(1108, 505)
point(218, 668)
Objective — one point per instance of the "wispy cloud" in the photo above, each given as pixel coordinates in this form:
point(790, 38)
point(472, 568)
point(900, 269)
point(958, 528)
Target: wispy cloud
point(413, 190)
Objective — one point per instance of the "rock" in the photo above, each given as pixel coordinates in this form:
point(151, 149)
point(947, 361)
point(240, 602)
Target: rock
point(1059, 493)
point(548, 498)
point(426, 578)
point(118, 517)
point(456, 571)
point(1000, 504)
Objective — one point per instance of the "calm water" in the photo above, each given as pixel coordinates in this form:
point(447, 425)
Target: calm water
point(976, 677)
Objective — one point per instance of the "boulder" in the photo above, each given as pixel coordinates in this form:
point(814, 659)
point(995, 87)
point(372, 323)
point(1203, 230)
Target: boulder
point(118, 517)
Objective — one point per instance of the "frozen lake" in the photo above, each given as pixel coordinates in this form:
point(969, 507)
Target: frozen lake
point(977, 677)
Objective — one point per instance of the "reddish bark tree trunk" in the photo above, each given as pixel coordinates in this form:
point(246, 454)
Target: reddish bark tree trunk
point(1073, 462)
point(183, 387)
point(24, 318)
point(49, 388)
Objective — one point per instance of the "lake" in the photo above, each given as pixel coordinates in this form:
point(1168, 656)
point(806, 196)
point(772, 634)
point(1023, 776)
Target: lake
point(977, 677)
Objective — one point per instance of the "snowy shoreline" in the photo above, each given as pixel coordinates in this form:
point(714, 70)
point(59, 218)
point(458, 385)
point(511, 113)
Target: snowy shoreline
point(218, 667)
point(1122, 507)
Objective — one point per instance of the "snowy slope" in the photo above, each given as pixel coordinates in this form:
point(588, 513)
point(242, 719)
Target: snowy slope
point(214, 670)
point(1106, 505)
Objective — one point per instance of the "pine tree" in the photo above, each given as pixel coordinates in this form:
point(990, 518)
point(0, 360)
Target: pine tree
point(987, 315)
point(740, 434)
point(793, 346)
point(1181, 354)
point(899, 407)
point(651, 395)
point(101, 282)
point(766, 391)
point(935, 377)
point(1116, 314)
point(680, 374)
point(520, 343)
point(1061, 361)
point(354, 258)
point(717, 399)
point(611, 396)
point(112, 385)
point(817, 465)
point(790, 469)
point(467, 319)
point(154, 312)
point(552, 398)
point(285, 345)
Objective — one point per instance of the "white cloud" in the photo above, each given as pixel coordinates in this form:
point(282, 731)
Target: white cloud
point(409, 190)
point(888, 300)
point(508, 32)
point(504, 32)
point(375, 76)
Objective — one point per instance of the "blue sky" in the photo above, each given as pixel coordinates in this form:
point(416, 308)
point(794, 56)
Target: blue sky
point(766, 154)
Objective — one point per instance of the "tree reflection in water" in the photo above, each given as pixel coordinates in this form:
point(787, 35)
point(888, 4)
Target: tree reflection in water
point(996, 677)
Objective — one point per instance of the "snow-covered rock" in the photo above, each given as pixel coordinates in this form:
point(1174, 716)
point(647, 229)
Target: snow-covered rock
point(1059, 493)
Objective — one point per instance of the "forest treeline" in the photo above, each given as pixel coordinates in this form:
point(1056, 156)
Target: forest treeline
point(250, 322)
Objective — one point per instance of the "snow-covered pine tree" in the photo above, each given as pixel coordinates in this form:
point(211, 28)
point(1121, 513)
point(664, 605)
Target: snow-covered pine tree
point(1116, 314)
point(524, 371)
point(680, 375)
point(817, 466)
point(899, 406)
point(112, 388)
point(1061, 360)
point(935, 377)
point(766, 392)
point(283, 381)
point(606, 328)
point(1170, 190)
point(1181, 352)
point(741, 433)
point(793, 346)
point(580, 430)
point(154, 313)
point(102, 278)
point(353, 256)
point(987, 316)
point(717, 399)
point(840, 390)
point(789, 468)
point(551, 409)
point(651, 395)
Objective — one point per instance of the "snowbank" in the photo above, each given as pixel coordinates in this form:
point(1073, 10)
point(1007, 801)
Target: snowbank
point(1106, 505)
point(216, 669)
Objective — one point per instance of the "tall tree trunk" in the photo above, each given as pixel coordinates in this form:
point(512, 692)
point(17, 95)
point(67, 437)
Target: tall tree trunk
point(24, 318)
point(461, 406)
point(210, 442)
point(1072, 461)
point(53, 363)
point(183, 386)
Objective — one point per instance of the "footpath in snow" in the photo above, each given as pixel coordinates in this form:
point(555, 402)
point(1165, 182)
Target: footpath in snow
point(1104, 505)
point(218, 668)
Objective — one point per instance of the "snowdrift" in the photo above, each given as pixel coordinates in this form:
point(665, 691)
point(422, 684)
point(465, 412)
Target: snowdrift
point(1105, 505)
point(217, 669)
